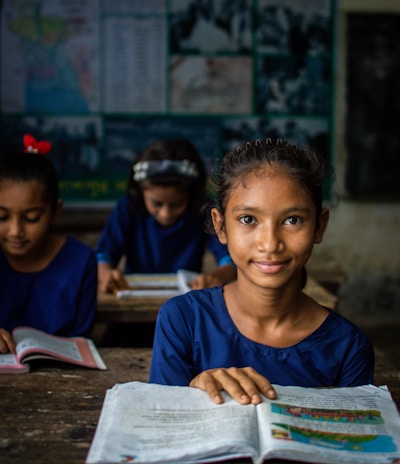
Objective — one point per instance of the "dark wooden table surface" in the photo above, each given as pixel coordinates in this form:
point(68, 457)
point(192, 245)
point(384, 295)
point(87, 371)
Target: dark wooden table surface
point(49, 415)
point(139, 309)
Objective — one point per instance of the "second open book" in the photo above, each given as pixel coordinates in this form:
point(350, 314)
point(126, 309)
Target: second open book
point(34, 344)
point(148, 423)
point(157, 285)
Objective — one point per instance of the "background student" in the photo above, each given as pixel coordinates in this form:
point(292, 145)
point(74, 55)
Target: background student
point(262, 329)
point(47, 281)
point(158, 226)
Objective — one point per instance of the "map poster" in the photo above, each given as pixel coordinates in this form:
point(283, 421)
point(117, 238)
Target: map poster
point(53, 66)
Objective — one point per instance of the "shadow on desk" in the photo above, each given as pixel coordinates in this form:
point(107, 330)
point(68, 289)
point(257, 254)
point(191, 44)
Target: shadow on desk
point(128, 334)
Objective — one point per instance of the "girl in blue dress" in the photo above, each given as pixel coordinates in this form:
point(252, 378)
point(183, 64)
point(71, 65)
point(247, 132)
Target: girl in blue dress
point(262, 329)
point(47, 281)
point(158, 226)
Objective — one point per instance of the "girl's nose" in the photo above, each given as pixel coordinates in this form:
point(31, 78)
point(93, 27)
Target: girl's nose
point(166, 215)
point(165, 212)
point(16, 228)
point(269, 240)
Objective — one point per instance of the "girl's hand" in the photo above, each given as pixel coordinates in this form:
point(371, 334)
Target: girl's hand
point(110, 280)
point(7, 343)
point(243, 384)
point(220, 276)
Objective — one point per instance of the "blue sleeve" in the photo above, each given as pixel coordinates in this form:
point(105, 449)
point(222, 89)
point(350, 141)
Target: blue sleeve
point(358, 364)
point(171, 362)
point(219, 251)
point(85, 310)
point(113, 239)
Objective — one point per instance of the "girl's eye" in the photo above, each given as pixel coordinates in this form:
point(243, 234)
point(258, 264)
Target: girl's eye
point(156, 204)
point(32, 219)
point(247, 220)
point(293, 220)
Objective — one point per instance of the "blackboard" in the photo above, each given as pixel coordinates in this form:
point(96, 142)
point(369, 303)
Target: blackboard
point(373, 106)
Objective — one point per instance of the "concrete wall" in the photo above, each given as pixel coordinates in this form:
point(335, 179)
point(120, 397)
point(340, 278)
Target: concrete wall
point(363, 238)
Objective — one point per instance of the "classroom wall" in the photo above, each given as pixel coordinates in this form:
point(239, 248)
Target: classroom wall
point(361, 247)
point(363, 235)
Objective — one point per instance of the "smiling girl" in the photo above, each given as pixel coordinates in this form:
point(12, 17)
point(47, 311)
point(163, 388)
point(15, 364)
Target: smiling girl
point(47, 281)
point(262, 329)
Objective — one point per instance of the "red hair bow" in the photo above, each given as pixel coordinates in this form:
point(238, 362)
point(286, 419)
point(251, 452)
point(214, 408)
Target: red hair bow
point(33, 146)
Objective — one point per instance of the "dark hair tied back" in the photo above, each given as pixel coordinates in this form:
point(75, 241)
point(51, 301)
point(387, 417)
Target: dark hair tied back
point(306, 166)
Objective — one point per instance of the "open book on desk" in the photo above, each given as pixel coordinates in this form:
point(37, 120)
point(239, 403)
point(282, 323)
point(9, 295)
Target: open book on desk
point(34, 344)
point(149, 423)
point(157, 285)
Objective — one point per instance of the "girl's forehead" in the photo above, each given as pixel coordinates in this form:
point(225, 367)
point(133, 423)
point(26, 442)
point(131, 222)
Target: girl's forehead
point(261, 172)
point(264, 186)
point(31, 190)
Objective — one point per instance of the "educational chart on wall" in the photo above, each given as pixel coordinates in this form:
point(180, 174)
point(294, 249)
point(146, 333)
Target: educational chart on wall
point(54, 64)
point(101, 79)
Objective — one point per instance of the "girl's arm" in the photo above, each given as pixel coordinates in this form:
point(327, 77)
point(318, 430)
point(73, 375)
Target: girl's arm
point(219, 276)
point(225, 271)
point(86, 306)
point(110, 280)
point(113, 241)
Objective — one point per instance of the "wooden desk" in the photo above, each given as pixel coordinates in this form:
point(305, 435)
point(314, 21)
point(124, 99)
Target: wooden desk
point(140, 309)
point(50, 414)
point(145, 309)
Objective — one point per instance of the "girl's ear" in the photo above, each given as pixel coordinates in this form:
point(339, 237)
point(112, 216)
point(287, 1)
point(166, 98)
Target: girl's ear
point(322, 224)
point(218, 223)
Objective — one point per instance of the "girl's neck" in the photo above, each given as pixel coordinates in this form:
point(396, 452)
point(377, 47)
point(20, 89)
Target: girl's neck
point(275, 317)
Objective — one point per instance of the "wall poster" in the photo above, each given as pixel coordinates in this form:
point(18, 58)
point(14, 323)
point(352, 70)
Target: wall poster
point(101, 79)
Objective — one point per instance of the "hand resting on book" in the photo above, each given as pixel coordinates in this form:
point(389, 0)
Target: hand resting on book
point(7, 343)
point(243, 384)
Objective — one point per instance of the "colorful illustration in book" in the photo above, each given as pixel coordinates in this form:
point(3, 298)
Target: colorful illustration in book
point(367, 416)
point(127, 457)
point(341, 441)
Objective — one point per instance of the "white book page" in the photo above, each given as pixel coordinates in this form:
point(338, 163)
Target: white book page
point(339, 424)
point(8, 360)
point(9, 364)
point(152, 280)
point(29, 340)
point(157, 285)
point(153, 423)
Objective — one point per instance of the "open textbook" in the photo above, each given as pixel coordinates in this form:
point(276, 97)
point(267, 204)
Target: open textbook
point(34, 344)
point(149, 423)
point(157, 285)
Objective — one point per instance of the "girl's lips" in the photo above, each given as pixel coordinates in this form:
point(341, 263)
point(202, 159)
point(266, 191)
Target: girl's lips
point(18, 244)
point(270, 267)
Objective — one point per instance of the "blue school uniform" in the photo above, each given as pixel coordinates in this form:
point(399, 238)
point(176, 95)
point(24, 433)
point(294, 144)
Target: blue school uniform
point(151, 248)
point(60, 299)
point(194, 332)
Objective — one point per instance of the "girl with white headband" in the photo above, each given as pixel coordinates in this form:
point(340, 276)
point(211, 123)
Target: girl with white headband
point(158, 225)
